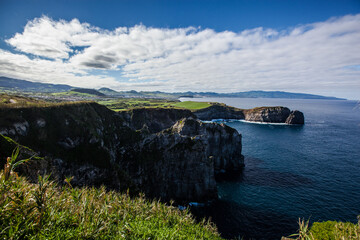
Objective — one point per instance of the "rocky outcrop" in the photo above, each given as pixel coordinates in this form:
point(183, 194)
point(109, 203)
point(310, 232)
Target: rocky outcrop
point(177, 158)
point(295, 117)
point(219, 111)
point(155, 119)
point(267, 114)
point(259, 114)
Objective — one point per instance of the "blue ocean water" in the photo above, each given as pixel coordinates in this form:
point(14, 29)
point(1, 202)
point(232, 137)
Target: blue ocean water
point(291, 172)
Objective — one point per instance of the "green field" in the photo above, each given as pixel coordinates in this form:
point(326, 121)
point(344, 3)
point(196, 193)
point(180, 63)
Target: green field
point(192, 105)
point(120, 104)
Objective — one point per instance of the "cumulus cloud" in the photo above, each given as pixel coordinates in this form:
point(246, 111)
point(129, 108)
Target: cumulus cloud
point(318, 57)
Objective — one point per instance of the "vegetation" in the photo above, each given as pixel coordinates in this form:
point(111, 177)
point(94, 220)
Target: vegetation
point(15, 101)
point(115, 104)
point(48, 211)
point(329, 230)
point(192, 105)
point(120, 104)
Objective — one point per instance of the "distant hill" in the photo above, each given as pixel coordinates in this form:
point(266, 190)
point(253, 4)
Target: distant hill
point(88, 91)
point(109, 92)
point(11, 84)
point(266, 94)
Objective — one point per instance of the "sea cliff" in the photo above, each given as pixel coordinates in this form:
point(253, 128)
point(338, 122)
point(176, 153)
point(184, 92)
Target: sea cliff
point(165, 153)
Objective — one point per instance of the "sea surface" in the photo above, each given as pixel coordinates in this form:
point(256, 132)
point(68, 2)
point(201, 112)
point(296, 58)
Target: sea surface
point(291, 172)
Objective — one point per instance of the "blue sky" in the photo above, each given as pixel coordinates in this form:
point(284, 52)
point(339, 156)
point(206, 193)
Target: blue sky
point(223, 46)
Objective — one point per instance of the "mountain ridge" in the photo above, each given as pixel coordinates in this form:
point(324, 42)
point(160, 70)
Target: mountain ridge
point(10, 84)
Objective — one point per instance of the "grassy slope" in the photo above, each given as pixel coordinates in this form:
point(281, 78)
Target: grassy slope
point(332, 230)
point(192, 105)
point(120, 104)
point(47, 211)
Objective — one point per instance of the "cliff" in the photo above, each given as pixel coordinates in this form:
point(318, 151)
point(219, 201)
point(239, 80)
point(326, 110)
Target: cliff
point(165, 153)
point(259, 114)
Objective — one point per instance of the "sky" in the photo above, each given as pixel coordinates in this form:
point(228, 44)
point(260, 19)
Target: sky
point(189, 45)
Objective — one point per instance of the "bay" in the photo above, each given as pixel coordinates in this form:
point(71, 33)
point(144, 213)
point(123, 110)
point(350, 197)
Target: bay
point(291, 172)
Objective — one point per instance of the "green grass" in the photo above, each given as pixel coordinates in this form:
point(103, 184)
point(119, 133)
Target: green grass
point(73, 93)
point(192, 105)
point(47, 211)
point(120, 104)
point(329, 230)
point(332, 230)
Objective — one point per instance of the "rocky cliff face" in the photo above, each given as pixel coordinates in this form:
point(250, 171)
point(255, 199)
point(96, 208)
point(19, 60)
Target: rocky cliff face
point(154, 119)
point(267, 114)
point(260, 114)
point(176, 158)
point(295, 117)
point(219, 111)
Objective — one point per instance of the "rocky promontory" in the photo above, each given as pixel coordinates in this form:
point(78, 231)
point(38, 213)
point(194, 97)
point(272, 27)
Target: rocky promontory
point(165, 153)
point(259, 114)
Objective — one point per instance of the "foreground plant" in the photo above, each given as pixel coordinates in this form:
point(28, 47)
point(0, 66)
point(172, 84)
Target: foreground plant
point(329, 230)
point(12, 163)
point(48, 211)
point(304, 231)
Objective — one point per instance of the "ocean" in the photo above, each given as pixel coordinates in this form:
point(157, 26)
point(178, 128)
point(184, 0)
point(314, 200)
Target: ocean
point(291, 172)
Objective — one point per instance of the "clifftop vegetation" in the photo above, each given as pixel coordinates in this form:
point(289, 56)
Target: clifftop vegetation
point(47, 211)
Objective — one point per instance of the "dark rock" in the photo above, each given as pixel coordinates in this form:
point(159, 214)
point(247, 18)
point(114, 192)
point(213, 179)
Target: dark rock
point(156, 119)
point(219, 111)
point(267, 114)
point(295, 117)
point(259, 114)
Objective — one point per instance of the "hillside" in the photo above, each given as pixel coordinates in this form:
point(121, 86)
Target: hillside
point(88, 91)
point(10, 84)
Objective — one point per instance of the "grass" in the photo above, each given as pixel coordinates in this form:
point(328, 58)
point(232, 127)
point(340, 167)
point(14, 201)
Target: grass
point(192, 105)
point(72, 93)
point(115, 104)
point(121, 104)
point(329, 230)
point(48, 211)
point(13, 101)
point(335, 230)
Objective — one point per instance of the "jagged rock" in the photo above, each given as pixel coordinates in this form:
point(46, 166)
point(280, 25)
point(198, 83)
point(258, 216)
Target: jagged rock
point(219, 111)
point(267, 114)
point(295, 117)
point(223, 143)
point(181, 161)
point(156, 119)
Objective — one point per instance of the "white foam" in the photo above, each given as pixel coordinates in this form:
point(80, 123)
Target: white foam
point(266, 123)
point(245, 121)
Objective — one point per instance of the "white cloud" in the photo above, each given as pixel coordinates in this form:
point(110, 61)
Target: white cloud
point(308, 58)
